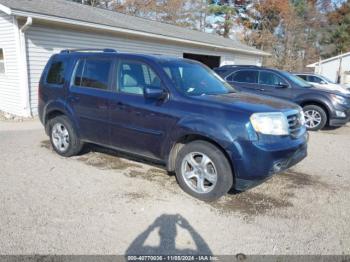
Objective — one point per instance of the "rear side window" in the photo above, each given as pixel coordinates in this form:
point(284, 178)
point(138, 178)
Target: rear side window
point(93, 73)
point(221, 72)
point(244, 76)
point(55, 75)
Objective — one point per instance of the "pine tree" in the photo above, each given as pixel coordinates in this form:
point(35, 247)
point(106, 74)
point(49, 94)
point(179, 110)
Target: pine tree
point(337, 39)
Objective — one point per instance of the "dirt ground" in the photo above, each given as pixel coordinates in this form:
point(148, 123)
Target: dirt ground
point(102, 202)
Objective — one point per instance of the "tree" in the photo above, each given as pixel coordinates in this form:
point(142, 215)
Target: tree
point(337, 39)
point(141, 8)
point(178, 12)
point(93, 2)
point(227, 12)
point(290, 30)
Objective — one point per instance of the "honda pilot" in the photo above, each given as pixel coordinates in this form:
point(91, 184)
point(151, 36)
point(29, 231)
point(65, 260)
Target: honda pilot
point(174, 111)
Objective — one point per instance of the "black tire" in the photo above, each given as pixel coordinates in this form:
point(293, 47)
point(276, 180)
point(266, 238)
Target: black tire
point(223, 169)
point(321, 112)
point(74, 144)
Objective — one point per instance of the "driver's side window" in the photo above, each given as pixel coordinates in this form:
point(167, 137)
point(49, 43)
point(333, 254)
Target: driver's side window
point(267, 78)
point(314, 79)
point(133, 76)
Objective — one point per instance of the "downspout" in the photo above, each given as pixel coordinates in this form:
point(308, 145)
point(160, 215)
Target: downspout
point(24, 66)
point(28, 23)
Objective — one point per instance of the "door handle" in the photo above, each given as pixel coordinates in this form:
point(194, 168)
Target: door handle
point(261, 89)
point(121, 106)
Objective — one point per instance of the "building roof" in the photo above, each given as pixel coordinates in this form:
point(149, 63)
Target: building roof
point(328, 60)
point(74, 13)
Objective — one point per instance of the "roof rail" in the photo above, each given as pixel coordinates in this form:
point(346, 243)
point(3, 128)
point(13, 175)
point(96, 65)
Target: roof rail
point(106, 50)
point(229, 66)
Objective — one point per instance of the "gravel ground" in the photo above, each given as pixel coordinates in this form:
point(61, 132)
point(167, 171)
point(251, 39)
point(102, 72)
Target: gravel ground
point(103, 203)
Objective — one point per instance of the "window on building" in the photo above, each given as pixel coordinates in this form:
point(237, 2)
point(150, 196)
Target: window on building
point(56, 73)
point(2, 61)
point(93, 73)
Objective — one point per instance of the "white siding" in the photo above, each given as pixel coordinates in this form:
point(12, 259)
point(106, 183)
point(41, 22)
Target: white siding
point(330, 69)
point(42, 42)
point(241, 59)
point(10, 92)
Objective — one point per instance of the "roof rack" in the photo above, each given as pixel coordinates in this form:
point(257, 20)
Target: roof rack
point(106, 50)
point(229, 66)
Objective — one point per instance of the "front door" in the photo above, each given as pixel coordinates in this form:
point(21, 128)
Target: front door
point(89, 97)
point(138, 124)
point(271, 84)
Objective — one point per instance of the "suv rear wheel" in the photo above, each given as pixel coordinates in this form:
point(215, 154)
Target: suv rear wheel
point(203, 171)
point(315, 117)
point(63, 137)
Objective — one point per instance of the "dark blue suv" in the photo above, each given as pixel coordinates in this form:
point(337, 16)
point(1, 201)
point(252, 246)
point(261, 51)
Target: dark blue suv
point(171, 110)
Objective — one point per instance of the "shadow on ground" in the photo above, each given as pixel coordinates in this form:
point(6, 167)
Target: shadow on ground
point(161, 238)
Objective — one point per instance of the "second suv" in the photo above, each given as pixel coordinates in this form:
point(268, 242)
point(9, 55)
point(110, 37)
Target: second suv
point(174, 111)
point(321, 107)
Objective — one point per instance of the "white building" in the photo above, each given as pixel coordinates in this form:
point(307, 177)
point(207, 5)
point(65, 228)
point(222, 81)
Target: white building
point(336, 68)
point(32, 30)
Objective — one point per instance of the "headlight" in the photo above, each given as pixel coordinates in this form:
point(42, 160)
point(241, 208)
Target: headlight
point(339, 99)
point(270, 123)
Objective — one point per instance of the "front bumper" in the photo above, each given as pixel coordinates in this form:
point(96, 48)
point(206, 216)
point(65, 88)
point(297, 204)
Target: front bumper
point(260, 162)
point(340, 121)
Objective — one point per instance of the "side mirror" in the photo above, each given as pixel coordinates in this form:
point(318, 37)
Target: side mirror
point(154, 92)
point(323, 82)
point(282, 85)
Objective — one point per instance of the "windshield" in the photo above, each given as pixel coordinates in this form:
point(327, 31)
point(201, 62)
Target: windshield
point(296, 80)
point(193, 79)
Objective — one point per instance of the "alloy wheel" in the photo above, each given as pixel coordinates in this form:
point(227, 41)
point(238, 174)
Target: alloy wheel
point(312, 118)
point(199, 172)
point(60, 137)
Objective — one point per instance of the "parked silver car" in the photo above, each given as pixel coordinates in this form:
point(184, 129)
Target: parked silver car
point(322, 82)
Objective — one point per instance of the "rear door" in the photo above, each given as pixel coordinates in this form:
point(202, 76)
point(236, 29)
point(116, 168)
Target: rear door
point(271, 84)
point(89, 97)
point(245, 80)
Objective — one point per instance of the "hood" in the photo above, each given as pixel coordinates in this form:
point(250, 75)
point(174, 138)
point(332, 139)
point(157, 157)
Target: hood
point(250, 102)
point(334, 88)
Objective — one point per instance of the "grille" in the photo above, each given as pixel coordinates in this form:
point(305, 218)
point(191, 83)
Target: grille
point(295, 126)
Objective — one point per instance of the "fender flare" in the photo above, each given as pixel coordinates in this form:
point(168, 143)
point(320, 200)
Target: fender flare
point(60, 106)
point(317, 100)
point(194, 127)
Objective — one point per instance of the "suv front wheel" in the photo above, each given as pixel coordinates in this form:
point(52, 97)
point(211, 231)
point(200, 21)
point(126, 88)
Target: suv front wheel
point(203, 171)
point(315, 117)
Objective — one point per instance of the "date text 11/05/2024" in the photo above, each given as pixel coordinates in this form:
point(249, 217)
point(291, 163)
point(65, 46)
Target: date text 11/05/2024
point(172, 258)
